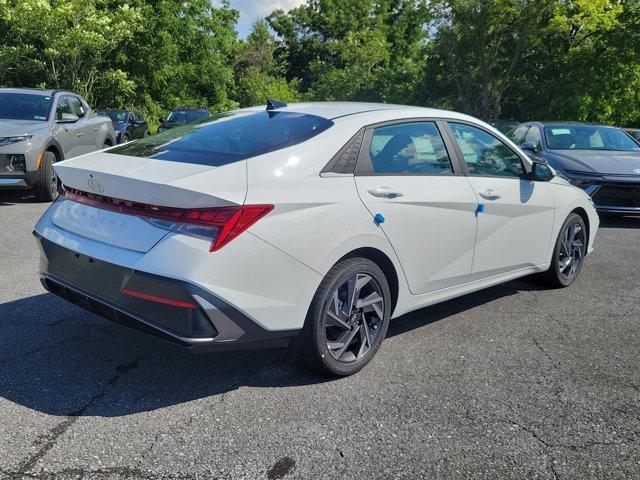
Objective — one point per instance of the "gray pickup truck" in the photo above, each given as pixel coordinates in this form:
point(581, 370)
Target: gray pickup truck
point(41, 127)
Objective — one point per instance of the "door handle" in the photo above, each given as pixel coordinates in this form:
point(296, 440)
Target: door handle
point(384, 192)
point(490, 194)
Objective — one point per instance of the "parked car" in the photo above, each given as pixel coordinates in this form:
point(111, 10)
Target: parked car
point(41, 127)
point(602, 160)
point(182, 116)
point(504, 126)
point(634, 132)
point(310, 223)
point(129, 125)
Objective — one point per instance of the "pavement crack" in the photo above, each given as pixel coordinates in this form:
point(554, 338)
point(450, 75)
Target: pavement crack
point(541, 348)
point(49, 440)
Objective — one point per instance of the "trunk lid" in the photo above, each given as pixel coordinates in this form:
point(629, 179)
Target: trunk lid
point(143, 180)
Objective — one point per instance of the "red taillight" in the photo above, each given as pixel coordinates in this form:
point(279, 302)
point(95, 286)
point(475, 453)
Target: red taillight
point(228, 221)
point(155, 298)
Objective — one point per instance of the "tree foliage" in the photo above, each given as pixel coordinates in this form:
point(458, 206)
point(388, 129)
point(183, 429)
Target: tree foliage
point(562, 59)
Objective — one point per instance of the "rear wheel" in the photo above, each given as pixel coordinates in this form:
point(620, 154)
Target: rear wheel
point(347, 320)
point(46, 187)
point(569, 252)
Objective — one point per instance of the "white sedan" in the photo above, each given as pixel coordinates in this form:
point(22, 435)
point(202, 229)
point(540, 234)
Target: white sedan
point(313, 224)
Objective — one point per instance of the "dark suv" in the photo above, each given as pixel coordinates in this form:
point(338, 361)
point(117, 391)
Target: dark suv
point(129, 125)
point(182, 116)
point(602, 160)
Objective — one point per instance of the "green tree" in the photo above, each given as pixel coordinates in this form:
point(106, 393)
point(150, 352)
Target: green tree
point(259, 72)
point(357, 50)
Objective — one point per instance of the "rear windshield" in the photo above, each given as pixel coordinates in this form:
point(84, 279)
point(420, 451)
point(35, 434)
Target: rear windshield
point(116, 116)
point(186, 116)
point(227, 138)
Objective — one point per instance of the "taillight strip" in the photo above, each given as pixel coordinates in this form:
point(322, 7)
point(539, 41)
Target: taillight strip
point(231, 220)
point(155, 298)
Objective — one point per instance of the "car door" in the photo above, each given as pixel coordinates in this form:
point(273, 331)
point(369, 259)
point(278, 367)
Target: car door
point(139, 126)
point(412, 184)
point(67, 133)
point(515, 213)
point(87, 128)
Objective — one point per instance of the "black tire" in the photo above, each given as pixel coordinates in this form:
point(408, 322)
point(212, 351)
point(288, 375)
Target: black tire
point(555, 276)
point(46, 186)
point(311, 343)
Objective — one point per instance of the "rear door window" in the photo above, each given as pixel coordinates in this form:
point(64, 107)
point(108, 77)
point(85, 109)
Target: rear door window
point(409, 148)
point(228, 138)
point(76, 104)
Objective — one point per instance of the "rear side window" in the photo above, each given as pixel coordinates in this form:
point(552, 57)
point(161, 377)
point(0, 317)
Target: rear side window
point(77, 106)
point(517, 135)
point(227, 138)
point(409, 148)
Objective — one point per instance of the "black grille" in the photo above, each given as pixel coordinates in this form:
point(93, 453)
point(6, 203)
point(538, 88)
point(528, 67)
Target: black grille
point(618, 196)
point(104, 310)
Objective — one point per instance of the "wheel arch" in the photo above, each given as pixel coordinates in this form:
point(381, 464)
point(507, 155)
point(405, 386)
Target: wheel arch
point(56, 148)
point(582, 213)
point(386, 265)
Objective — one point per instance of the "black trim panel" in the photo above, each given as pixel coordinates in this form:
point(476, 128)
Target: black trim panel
point(96, 286)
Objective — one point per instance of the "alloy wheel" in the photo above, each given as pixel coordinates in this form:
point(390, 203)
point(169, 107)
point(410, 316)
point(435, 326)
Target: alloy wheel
point(571, 251)
point(354, 317)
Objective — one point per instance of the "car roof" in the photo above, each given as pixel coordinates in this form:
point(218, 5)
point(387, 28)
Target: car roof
point(371, 112)
point(36, 91)
point(548, 123)
point(191, 108)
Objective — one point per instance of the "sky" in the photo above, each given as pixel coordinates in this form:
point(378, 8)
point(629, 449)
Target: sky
point(252, 10)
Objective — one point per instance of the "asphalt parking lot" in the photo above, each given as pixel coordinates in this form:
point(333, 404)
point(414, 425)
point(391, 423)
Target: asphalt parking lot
point(513, 382)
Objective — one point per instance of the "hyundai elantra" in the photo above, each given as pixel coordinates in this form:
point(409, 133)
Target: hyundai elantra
point(309, 224)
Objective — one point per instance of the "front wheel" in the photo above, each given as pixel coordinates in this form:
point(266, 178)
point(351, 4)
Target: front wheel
point(46, 187)
point(347, 320)
point(569, 253)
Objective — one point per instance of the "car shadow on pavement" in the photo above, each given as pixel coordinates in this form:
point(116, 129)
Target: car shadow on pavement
point(60, 360)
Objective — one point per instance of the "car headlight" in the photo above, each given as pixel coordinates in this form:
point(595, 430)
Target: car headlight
point(583, 179)
point(13, 163)
point(12, 140)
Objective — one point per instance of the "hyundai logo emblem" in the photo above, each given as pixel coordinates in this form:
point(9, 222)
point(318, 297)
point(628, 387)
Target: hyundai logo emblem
point(95, 185)
point(637, 171)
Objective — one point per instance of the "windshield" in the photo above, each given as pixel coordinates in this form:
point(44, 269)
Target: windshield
point(588, 137)
point(186, 116)
point(227, 138)
point(24, 106)
point(116, 116)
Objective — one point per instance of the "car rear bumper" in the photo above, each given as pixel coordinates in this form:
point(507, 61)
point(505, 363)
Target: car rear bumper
point(173, 310)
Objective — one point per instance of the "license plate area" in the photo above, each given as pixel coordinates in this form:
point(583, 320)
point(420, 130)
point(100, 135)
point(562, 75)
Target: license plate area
point(113, 228)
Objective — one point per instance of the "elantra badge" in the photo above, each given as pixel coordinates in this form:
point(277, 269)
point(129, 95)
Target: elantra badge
point(95, 185)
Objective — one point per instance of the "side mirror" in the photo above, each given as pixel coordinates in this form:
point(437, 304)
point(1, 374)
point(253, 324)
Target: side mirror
point(541, 171)
point(529, 147)
point(68, 118)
